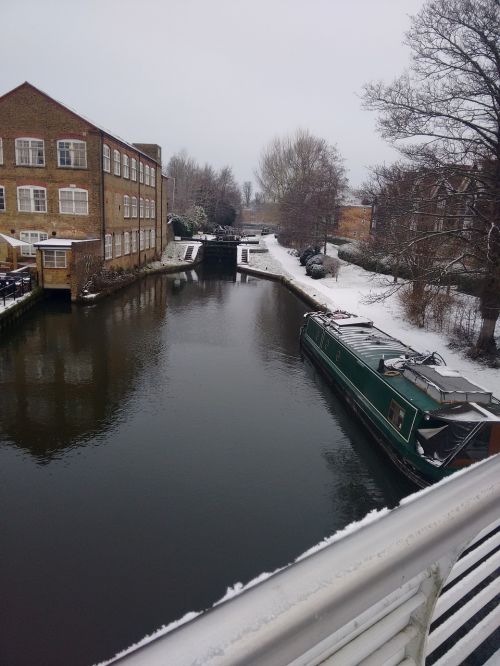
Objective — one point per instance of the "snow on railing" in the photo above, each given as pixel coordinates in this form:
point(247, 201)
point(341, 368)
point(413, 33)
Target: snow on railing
point(418, 584)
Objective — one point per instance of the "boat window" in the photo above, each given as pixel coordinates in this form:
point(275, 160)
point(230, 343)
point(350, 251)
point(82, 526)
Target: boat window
point(396, 414)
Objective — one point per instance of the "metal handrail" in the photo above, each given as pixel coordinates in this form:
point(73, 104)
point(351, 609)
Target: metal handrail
point(371, 592)
point(14, 284)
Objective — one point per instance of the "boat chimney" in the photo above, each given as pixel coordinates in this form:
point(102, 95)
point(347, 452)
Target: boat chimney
point(381, 365)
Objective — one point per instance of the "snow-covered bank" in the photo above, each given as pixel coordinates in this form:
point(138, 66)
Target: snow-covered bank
point(354, 284)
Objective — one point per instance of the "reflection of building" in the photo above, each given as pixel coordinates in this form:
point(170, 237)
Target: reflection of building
point(63, 380)
point(62, 176)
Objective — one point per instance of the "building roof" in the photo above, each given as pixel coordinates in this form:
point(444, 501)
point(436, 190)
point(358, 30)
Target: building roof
point(61, 243)
point(13, 242)
point(115, 137)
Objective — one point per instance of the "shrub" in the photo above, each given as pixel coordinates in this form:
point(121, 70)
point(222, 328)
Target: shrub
point(318, 271)
point(182, 226)
point(306, 254)
point(332, 266)
point(316, 259)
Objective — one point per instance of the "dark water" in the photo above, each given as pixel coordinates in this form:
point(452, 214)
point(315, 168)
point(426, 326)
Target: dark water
point(155, 449)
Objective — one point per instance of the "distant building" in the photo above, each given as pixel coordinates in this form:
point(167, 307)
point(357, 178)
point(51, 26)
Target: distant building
point(353, 221)
point(61, 176)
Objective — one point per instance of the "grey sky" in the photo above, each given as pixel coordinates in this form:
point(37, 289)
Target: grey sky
point(219, 78)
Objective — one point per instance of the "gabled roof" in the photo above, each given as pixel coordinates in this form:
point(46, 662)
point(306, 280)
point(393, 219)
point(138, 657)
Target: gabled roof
point(29, 86)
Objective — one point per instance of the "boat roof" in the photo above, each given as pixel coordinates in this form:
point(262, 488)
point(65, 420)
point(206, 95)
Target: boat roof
point(370, 344)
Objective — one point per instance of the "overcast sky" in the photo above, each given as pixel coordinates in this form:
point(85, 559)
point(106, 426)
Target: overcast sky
point(219, 78)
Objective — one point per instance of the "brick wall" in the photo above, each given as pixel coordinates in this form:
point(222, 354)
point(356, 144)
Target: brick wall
point(27, 113)
point(115, 188)
point(353, 222)
point(86, 259)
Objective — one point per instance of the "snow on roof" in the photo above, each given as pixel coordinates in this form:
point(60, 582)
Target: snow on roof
point(13, 242)
point(59, 243)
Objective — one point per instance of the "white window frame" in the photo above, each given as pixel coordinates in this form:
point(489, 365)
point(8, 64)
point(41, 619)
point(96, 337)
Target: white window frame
point(134, 242)
point(146, 174)
point(146, 209)
point(141, 172)
point(76, 207)
point(126, 243)
point(153, 209)
point(1, 151)
point(32, 189)
point(133, 169)
point(134, 207)
point(55, 259)
point(126, 205)
point(74, 149)
point(117, 162)
point(125, 166)
point(108, 246)
point(141, 208)
point(153, 177)
point(106, 158)
point(31, 237)
point(141, 239)
point(33, 157)
point(146, 239)
point(153, 238)
point(118, 245)
point(2, 199)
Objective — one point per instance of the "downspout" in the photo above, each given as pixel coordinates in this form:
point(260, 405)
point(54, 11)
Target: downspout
point(158, 175)
point(103, 221)
point(138, 174)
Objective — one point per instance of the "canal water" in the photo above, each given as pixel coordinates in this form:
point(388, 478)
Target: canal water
point(155, 449)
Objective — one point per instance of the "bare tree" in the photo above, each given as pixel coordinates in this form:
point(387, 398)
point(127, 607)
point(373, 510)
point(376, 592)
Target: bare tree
point(216, 192)
point(413, 210)
point(449, 103)
point(247, 190)
point(305, 176)
point(183, 170)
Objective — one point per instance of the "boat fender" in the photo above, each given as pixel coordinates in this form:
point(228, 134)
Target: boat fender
point(391, 373)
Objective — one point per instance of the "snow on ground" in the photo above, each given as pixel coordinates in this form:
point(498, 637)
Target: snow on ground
point(9, 302)
point(348, 293)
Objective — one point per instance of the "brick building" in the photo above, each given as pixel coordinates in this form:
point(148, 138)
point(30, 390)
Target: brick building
point(61, 176)
point(353, 221)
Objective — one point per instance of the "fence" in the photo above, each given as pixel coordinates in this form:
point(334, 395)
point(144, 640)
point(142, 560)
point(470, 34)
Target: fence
point(418, 585)
point(15, 284)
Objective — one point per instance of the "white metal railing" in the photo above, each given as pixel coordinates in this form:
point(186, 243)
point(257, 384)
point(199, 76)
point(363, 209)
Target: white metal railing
point(369, 597)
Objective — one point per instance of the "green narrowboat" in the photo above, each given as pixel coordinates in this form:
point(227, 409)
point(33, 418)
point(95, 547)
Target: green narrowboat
point(429, 419)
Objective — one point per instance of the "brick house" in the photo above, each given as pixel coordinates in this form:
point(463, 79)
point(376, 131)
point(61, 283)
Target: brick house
point(353, 221)
point(61, 176)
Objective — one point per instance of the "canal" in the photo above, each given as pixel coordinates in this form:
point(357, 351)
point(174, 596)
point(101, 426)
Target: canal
point(155, 449)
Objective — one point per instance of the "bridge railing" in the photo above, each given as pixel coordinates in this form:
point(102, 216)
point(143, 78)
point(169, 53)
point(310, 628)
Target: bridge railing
point(418, 584)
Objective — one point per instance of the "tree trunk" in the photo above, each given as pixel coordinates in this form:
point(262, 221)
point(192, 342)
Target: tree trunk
point(490, 293)
point(486, 341)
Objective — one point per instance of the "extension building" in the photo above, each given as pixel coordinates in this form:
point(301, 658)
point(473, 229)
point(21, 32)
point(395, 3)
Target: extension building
point(62, 177)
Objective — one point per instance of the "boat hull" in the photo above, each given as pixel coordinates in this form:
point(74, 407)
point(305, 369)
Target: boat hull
point(422, 474)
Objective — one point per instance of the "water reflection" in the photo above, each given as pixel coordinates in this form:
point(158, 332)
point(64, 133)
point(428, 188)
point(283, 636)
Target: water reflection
point(67, 371)
point(361, 460)
point(212, 453)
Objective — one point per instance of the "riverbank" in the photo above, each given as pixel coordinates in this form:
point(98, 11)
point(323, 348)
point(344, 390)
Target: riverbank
point(171, 262)
point(350, 291)
point(15, 309)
